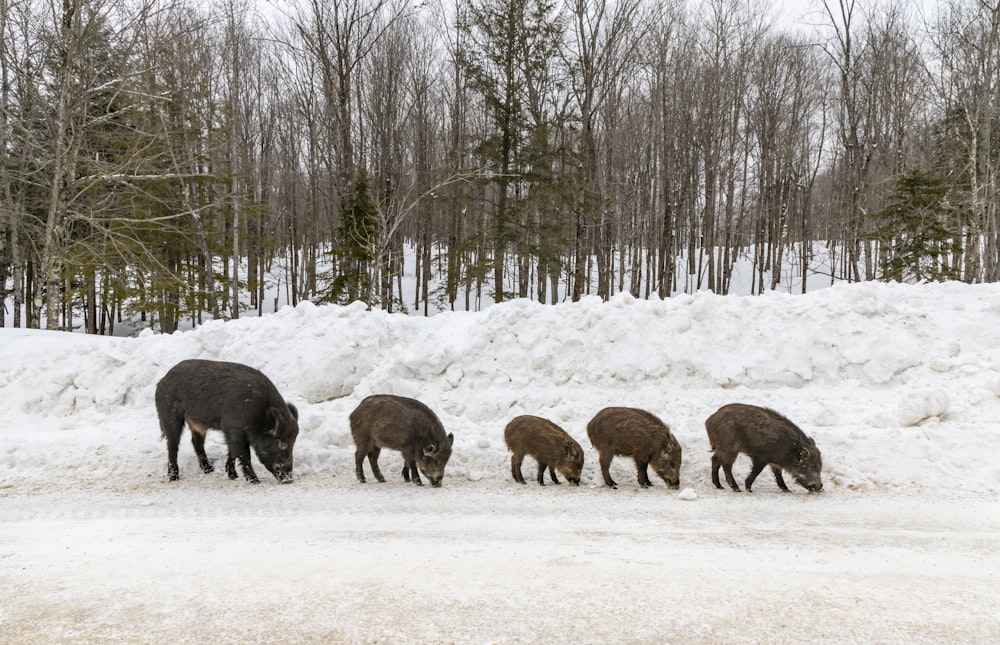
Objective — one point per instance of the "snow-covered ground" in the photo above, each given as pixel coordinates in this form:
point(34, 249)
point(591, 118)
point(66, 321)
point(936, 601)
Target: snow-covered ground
point(899, 386)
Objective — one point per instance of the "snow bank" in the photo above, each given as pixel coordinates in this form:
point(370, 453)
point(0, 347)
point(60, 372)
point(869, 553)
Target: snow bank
point(899, 385)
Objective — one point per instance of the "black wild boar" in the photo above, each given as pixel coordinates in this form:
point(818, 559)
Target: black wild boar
point(407, 425)
point(767, 438)
point(549, 444)
point(638, 434)
point(236, 399)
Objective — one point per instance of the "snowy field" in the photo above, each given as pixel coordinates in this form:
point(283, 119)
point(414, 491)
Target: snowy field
point(898, 385)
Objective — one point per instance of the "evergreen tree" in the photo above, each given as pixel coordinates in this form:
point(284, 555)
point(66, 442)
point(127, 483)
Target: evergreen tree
point(913, 230)
point(509, 59)
point(357, 243)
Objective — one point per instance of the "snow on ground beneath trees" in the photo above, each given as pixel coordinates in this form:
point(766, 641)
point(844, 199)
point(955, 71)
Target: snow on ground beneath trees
point(898, 385)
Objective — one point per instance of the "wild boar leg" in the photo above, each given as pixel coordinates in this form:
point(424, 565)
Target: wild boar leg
point(552, 475)
point(231, 467)
point(410, 472)
point(606, 458)
point(173, 471)
point(715, 471)
point(414, 473)
point(516, 460)
point(643, 473)
point(373, 462)
point(359, 460)
point(758, 466)
point(248, 472)
point(728, 470)
point(171, 426)
point(239, 448)
point(241, 451)
point(778, 478)
point(198, 441)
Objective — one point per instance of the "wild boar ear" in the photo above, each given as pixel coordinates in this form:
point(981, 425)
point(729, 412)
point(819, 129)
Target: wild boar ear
point(273, 421)
point(430, 449)
point(293, 410)
point(804, 452)
point(451, 439)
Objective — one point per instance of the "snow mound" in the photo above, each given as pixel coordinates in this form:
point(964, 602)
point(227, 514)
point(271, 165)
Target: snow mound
point(885, 378)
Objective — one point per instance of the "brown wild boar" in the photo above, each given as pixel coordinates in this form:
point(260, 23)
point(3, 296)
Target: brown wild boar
point(638, 434)
point(768, 438)
point(236, 399)
point(549, 444)
point(407, 425)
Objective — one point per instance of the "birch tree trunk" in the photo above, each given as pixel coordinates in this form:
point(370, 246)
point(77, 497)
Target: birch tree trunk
point(63, 144)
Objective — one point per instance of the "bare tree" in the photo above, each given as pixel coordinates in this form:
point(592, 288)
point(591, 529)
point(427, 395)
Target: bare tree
point(966, 41)
point(605, 44)
point(781, 125)
point(876, 64)
point(630, 145)
point(10, 260)
point(91, 44)
point(339, 36)
point(674, 176)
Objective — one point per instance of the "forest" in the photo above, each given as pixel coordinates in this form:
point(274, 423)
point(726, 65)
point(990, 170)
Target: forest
point(163, 160)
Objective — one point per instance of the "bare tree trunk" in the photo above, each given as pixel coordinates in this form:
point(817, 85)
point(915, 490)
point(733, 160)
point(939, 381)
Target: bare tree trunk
point(579, 248)
point(51, 251)
point(235, 38)
point(10, 258)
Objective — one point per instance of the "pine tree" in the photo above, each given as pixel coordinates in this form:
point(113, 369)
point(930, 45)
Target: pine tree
point(357, 242)
point(913, 230)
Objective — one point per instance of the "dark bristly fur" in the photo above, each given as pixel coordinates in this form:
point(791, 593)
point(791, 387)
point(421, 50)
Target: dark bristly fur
point(549, 444)
point(236, 399)
point(407, 425)
point(638, 434)
point(768, 438)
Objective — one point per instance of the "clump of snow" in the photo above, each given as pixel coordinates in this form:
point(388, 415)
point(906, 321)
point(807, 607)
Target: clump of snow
point(687, 495)
point(920, 406)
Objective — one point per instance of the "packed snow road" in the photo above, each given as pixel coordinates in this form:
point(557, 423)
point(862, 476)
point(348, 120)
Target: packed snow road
point(326, 559)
